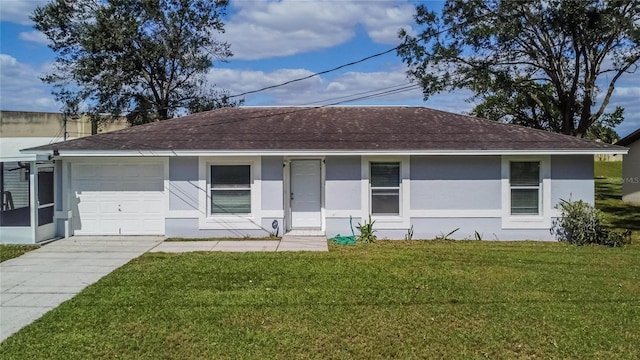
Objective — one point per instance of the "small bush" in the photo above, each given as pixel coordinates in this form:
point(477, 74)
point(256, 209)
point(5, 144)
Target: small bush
point(366, 231)
point(582, 224)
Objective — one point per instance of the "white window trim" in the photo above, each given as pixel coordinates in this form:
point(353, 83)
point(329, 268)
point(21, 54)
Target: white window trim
point(543, 219)
point(402, 220)
point(372, 188)
point(211, 189)
point(206, 220)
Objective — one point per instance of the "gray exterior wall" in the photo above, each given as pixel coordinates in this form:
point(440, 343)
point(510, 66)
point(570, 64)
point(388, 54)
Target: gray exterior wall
point(445, 182)
point(342, 183)
point(188, 228)
point(431, 228)
point(183, 183)
point(272, 178)
point(488, 228)
point(184, 193)
point(572, 178)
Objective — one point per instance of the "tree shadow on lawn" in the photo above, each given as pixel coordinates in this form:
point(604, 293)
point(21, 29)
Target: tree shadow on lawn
point(608, 196)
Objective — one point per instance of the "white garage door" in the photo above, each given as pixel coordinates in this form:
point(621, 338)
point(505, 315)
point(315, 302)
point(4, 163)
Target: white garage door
point(118, 199)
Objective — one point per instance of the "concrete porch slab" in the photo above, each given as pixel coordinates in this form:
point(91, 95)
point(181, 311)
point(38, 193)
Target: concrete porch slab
point(303, 243)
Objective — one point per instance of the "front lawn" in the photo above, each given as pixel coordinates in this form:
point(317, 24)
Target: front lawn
point(432, 299)
point(11, 251)
point(608, 193)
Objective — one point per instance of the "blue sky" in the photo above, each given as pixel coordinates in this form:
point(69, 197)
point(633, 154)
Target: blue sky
point(276, 41)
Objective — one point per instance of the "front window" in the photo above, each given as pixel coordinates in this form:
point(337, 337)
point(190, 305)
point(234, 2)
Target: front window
point(230, 189)
point(385, 188)
point(525, 188)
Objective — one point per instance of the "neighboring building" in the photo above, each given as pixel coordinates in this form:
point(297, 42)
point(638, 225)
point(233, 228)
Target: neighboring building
point(233, 172)
point(27, 181)
point(631, 168)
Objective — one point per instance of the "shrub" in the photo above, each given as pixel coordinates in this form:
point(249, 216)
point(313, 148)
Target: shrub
point(366, 231)
point(582, 224)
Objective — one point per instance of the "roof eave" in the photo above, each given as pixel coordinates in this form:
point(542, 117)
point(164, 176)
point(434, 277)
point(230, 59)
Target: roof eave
point(449, 152)
point(629, 139)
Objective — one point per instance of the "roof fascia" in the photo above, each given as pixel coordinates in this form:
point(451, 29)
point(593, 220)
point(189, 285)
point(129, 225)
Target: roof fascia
point(629, 139)
point(26, 157)
point(165, 153)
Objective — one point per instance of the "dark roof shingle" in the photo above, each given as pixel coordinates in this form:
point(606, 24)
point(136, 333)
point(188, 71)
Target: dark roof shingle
point(363, 128)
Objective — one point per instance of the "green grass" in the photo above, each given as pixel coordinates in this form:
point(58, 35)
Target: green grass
point(430, 299)
point(608, 193)
point(11, 251)
point(608, 169)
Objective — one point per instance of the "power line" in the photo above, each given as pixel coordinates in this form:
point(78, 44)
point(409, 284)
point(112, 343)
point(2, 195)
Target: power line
point(266, 113)
point(392, 90)
point(316, 74)
point(356, 94)
point(351, 63)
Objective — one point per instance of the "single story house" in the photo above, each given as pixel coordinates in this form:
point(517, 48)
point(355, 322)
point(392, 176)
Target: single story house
point(631, 168)
point(243, 171)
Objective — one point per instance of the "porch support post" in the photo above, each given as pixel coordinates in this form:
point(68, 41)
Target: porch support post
point(33, 199)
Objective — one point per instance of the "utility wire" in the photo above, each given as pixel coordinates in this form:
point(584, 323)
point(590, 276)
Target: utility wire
point(348, 64)
point(356, 94)
point(316, 74)
point(293, 109)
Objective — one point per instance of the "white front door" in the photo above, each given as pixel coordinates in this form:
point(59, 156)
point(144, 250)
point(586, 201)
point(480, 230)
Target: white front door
point(118, 199)
point(305, 194)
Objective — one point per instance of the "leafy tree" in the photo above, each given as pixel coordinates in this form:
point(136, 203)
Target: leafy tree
point(146, 58)
point(528, 62)
point(604, 129)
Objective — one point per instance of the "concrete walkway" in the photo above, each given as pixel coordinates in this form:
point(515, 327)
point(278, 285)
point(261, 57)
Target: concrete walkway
point(42, 279)
point(288, 243)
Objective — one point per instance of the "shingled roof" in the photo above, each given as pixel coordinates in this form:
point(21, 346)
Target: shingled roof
point(629, 139)
point(365, 129)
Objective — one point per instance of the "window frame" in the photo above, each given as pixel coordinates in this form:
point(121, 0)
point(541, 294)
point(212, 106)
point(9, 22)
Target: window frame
point(211, 189)
point(208, 221)
point(397, 188)
point(537, 187)
point(542, 220)
point(403, 220)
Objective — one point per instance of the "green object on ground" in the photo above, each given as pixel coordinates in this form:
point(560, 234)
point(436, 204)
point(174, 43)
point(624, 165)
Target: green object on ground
point(344, 239)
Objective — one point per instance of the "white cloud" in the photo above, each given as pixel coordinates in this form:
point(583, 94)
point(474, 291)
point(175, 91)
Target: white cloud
point(317, 90)
point(34, 36)
point(631, 92)
point(263, 29)
point(21, 87)
point(18, 11)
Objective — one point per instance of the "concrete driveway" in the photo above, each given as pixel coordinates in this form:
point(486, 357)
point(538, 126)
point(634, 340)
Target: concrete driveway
point(40, 280)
